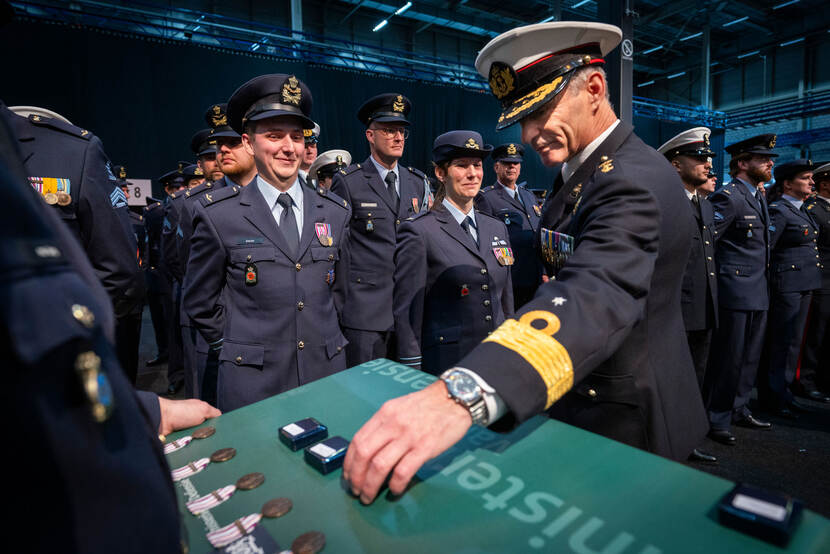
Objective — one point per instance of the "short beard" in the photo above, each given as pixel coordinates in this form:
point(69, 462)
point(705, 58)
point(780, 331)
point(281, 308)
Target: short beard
point(758, 174)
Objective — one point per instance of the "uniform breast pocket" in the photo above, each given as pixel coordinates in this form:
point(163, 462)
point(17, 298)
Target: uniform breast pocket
point(747, 229)
point(242, 256)
point(242, 354)
point(732, 269)
point(449, 335)
point(251, 265)
point(367, 218)
point(325, 254)
point(509, 217)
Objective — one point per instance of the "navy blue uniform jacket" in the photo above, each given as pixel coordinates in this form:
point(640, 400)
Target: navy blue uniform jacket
point(699, 295)
point(604, 343)
point(795, 265)
point(742, 253)
point(522, 225)
point(282, 331)
point(54, 149)
point(103, 476)
point(449, 293)
point(373, 240)
point(819, 210)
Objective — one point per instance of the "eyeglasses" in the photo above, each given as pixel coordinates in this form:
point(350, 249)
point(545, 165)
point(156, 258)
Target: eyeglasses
point(392, 132)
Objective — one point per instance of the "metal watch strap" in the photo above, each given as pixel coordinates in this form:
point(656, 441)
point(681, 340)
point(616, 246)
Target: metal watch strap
point(478, 411)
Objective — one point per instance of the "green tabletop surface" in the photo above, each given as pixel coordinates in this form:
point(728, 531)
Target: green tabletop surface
point(545, 487)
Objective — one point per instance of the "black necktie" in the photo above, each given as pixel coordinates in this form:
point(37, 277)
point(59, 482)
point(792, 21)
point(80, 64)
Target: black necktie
point(466, 224)
point(391, 177)
point(288, 222)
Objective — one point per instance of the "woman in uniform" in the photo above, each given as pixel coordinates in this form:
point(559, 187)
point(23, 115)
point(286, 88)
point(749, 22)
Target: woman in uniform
point(452, 264)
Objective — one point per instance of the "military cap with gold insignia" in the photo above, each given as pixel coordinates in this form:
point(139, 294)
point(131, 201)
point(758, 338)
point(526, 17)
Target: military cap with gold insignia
point(312, 136)
point(789, 170)
point(528, 66)
point(760, 145)
point(692, 142)
point(510, 152)
point(272, 95)
point(216, 117)
point(390, 107)
point(459, 144)
point(203, 143)
point(177, 173)
point(329, 162)
point(120, 173)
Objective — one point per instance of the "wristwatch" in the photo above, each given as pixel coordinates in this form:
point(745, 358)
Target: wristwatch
point(462, 388)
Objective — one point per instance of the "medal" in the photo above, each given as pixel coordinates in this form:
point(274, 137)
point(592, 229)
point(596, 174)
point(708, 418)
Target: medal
point(330, 277)
point(370, 226)
point(415, 204)
point(465, 290)
point(96, 385)
point(504, 255)
point(556, 247)
point(749, 233)
point(506, 219)
point(51, 198)
point(250, 275)
point(324, 233)
point(537, 209)
point(64, 199)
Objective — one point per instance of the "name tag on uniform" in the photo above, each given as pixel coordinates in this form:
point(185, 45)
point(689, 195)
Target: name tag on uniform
point(556, 247)
point(255, 240)
point(368, 204)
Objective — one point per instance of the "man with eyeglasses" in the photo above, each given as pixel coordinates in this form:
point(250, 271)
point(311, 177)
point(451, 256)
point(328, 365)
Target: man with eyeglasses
point(382, 194)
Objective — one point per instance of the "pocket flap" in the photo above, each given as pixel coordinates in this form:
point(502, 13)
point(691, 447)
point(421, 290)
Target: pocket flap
point(242, 354)
point(363, 277)
point(261, 254)
point(787, 267)
point(368, 213)
point(335, 345)
point(728, 269)
point(447, 335)
point(324, 253)
point(620, 389)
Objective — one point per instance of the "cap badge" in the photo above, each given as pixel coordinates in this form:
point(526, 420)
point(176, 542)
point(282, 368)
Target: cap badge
point(471, 143)
point(291, 92)
point(772, 141)
point(308, 132)
point(511, 149)
point(398, 104)
point(706, 140)
point(218, 118)
point(198, 171)
point(502, 79)
point(181, 168)
point(123, 173)
point(339, 159)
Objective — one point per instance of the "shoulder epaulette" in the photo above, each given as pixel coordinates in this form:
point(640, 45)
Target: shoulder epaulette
point(59, 125)
point(325, 193)
point(214, 197)
point(151, 206)
point(199, 189)
point(774, 205)
point(419, 215)
point(488, 188)
point(417, 172)
point(811, 206)
point(349, 170)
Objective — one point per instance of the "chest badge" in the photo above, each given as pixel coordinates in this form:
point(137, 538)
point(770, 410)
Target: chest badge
point(538, 210)
point(324, 233)
point(369, 226)
point(330, 277)
point(251, 276)
point(415, 205)
point(465, 290)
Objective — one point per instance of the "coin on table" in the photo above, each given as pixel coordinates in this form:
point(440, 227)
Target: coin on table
point(51, 198)
point(277, 507)
point(223, 455)
point(250, 481)
point(203, 432)
point(309, 543)
point(64, 199)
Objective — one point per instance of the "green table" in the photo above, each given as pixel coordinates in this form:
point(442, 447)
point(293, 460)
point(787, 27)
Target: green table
point(545, 487)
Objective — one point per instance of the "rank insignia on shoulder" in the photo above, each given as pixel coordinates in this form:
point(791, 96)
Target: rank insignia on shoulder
point(208, 197)
point(772, 228)
point(606, 166)
point(718, 216)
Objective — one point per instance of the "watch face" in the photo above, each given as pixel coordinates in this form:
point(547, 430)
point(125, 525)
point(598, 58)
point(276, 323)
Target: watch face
point(463, 387)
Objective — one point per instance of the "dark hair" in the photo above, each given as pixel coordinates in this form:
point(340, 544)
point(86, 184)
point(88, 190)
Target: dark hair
point(733, 163)
point(441, 191)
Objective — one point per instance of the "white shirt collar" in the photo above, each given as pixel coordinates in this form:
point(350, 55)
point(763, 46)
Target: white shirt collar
point(689, 195)
point(457, 214)
point(511, 191)
point(824, 198)
point(571, 166)
point(795, 202)
point(272, 193)
point(383, 171)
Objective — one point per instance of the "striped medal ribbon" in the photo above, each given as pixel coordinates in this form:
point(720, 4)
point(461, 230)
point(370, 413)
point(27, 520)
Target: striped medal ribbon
point(235, 531)
point(210, 500)
point(177, 444)
point(190, 469)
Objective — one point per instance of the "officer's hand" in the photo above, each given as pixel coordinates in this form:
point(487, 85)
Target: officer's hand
point(180, 414)
point(404, 434)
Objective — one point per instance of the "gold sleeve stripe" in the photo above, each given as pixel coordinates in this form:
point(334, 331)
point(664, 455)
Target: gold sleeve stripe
point(538, 347)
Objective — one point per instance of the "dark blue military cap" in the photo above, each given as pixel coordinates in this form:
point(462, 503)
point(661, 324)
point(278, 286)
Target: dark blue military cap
point(760, 145)
point(510, 152)
point(385, 108)
point(789, 170)
point(270, 96)
point(120, 173)
point(202, 143)
point(216, 117)
point(822, 171)
point(459, 144)
point(171, 175)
